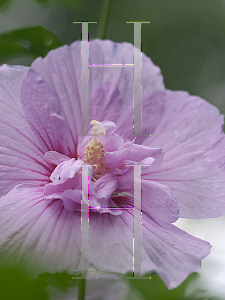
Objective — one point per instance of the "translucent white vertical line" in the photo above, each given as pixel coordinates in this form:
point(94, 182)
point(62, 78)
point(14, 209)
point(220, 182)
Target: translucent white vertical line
point(137, 80)
point(84, 261)
point(137, 233)
point(84, 79)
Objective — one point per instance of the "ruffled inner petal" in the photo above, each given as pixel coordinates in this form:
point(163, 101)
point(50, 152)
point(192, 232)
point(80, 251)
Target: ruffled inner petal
point(158, 202)
point(105, 186)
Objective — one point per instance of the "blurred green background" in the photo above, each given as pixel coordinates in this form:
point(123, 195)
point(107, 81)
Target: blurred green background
point(186, 39)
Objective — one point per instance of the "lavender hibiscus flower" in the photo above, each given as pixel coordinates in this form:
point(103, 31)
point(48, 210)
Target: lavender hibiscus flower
point(42, 153)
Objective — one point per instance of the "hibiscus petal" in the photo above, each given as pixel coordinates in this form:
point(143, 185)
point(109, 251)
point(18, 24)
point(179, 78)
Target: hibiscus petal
point(103, 101)
point(105, 186)
point(115, 159)
point(21, 155)
point(103, 82)
point(43, 110)
point(111, 242)
point(190, 133)
point(139, 152)
point(167, 250)
point(201, 196)
point(112, 208)
point(158, 201)
point(38, 237)
point(126, 180)
point(55, 157)
point(61, 69)
point(170, 251)
point(152, 112)
point(110, 140)
point(72, 200)
point(107, 52)
point(188, 123)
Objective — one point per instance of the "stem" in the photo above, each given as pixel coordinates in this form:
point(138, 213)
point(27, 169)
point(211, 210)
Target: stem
point(104, 18)
point(81, 286)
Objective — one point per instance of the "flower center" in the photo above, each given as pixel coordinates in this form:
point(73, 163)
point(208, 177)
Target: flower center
point(94, 152)
point(110, 171)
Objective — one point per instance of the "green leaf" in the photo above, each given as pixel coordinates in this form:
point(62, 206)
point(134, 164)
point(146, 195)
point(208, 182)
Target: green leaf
point(71, 3)
point(32, 41)
point(15, 284)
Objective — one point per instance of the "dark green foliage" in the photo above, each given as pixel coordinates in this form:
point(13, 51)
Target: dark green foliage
point(15, 284)
point(32, 41)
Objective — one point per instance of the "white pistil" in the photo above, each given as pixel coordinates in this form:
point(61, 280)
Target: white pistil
point(96, 131)
point(94, 150)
